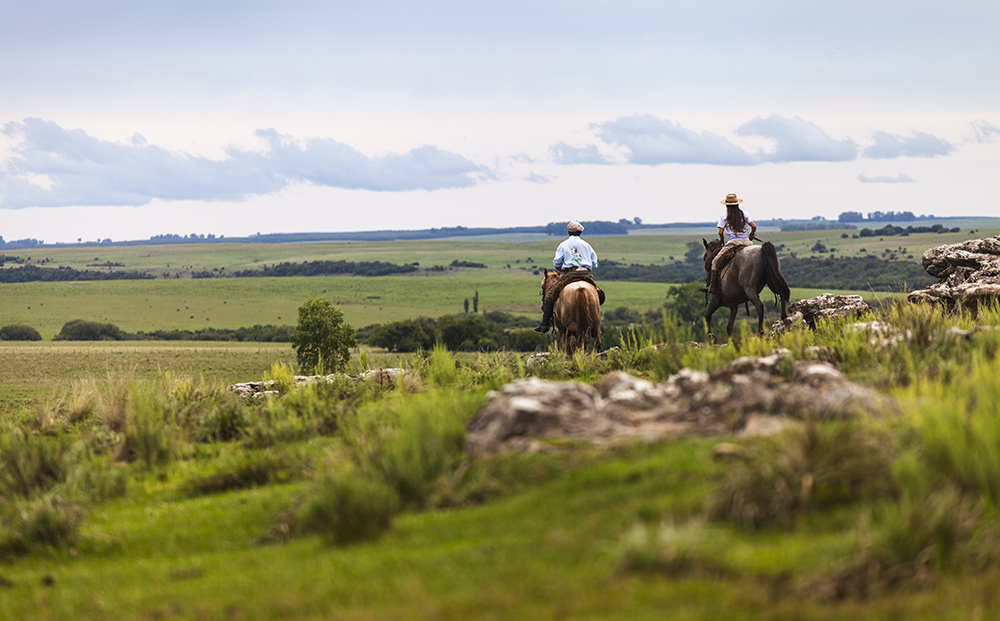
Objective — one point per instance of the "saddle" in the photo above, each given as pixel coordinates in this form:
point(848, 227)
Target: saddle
point(727, 258)
point(571, 275)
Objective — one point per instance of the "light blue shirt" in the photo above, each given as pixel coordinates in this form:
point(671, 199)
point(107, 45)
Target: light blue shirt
point(574, 252)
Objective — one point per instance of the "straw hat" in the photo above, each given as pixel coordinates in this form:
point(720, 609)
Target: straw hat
point(574, 227)
point(731, 200)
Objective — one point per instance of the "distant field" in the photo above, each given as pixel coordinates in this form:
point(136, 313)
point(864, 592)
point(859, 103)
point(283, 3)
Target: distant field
point(521, 256)
point(184, 303)
point(29, 372)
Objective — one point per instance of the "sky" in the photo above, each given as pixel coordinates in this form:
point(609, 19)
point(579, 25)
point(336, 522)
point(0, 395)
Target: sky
point(127, 119)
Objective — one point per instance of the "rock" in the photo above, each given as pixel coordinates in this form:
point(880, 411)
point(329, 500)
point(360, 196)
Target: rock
point(968, 274)
point(752, 397)
point(727, 451)
point(538, 358)
point(824, 306)
point(248, 390)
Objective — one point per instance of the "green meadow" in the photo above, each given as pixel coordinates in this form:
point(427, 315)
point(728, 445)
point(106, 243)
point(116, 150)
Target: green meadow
point(134, 486)
point(191, 304)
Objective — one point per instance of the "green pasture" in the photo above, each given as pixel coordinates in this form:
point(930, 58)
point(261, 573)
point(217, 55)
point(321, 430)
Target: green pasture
point(192, 304)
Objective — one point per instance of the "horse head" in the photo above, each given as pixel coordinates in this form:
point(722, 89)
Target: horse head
point(548, 279)
point(711, 249)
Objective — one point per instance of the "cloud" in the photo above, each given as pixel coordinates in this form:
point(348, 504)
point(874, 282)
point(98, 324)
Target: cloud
point(900, 178)
point(539, 179)
point(651, 140)
point(563, 153)
point(984, 132)
point(54, 167)
point(797, 140)
point(917, 144)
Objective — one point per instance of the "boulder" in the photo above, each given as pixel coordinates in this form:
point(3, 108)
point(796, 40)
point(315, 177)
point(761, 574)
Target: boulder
point(968, 274)
point(825, 306)
point(750, 397)
point(248, 390)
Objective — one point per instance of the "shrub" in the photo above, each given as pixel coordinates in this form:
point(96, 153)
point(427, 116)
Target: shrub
point(821, 466)
point(84, 330)
point(19, 333)
point(322, 340)
point(30, 464)
point(248, 469)
point(426, 443)
point(346, 506)
point(148, 436)
point(227, 420)
point(48, 520)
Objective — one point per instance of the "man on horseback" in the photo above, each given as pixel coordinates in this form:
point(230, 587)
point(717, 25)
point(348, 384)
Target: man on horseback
point(575, 259)
point(736, 229)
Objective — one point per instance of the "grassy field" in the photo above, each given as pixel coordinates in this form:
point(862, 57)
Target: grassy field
point(31, 372)
point(643, 249)
point(191, 304)
point(573, 532)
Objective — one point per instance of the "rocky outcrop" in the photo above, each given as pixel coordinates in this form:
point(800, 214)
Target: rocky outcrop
point(249, 390)
point(968, 274)
point(752, 396)
point(825, 306)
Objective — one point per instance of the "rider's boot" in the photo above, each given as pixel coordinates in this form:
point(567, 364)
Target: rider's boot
point(713, 282)
point(546, 316)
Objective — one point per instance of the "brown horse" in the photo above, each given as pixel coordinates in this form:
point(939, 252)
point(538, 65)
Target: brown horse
point(743, 280)
point(577, 313)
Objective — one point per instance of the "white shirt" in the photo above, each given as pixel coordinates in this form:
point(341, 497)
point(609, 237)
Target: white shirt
point(730, 233)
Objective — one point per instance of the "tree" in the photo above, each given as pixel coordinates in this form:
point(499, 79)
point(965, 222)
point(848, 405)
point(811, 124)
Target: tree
point(85, 330)
point(404, 336)
point(475, 302)
point(322, 340)
point(19, 333)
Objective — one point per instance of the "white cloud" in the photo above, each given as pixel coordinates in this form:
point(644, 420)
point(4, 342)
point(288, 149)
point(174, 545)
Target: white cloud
point(900, 178)
point(650, 140)
point(917, 144)
point(985, 133)
point(797, 140)
point(50, 166)
point(540, 179)
point(563, 153)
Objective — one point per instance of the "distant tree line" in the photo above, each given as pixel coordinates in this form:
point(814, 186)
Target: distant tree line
point(488, 331)
point(857, 273)
point(33, 273)
point(315, 268)
point(890, 230)
point(88, 330)
point(254, 334)
point(881, 216)
point(815, 225)
point(597, 227)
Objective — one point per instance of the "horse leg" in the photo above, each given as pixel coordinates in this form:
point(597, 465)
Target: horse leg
point(713, 306)
point(755, 300)
point(733, 312)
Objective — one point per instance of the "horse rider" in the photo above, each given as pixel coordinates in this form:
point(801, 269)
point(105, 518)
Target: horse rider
point(576, 260)
point(736, 229)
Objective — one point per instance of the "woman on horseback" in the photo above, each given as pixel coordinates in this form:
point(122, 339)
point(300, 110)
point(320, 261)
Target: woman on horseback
point(736, 228)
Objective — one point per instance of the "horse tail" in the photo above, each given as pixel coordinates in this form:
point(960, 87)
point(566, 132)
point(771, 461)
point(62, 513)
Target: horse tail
point(772, 272)
point(582, 313)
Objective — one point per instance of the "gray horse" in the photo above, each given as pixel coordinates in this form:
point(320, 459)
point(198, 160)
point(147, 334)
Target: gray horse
point(743, 280)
